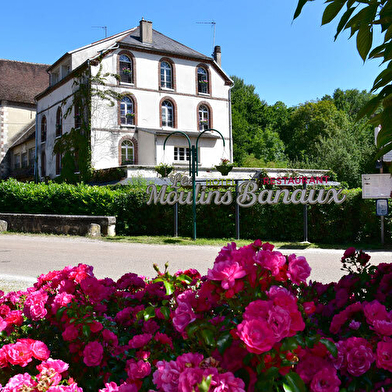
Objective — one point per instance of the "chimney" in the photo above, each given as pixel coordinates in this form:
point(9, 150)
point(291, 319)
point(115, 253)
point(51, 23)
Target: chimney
point(146, 31)
point(218, 55)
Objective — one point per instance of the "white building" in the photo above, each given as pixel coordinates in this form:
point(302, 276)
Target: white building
point(164, 86)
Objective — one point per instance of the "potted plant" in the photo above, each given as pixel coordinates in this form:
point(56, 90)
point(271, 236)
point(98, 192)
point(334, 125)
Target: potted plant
point(164, 169)
point(225, 167)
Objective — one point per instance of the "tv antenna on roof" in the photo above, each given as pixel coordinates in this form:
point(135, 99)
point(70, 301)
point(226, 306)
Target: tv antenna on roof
point(213, 25)
point(102, 27)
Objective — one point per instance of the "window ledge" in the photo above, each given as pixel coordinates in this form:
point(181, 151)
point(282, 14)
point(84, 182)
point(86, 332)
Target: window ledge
point(127, 126)
point(204, 94)
point(166, 88)
point(127, 84)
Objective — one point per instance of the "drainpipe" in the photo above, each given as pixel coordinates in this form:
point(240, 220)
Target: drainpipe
point(36, 150)
point(230, 126)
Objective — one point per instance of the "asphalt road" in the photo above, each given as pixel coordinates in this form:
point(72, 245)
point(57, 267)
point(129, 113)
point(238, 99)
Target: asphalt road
point(24, 257)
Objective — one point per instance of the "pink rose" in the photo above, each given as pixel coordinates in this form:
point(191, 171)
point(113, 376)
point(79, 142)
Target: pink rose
point(359, 356)
point(257, 335)
point(384, 355)
point(375, 311)
point(258, 309)
point(226, 272)
point(183, 316)
point(326, 380)
point(279, 321)
point(228, 382)
point(137, 370)
point(271, 260)
point(309, 308)
point(349, 252)
point(299, 269)
point(40, 350)
point(70, 333)
point(139, 341)
point(93, 354)
point(18, 382)
point(18, 353)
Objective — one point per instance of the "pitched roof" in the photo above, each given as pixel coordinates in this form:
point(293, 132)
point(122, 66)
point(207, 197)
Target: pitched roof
point(26, 134)
point(21, 82)
point(162, 43)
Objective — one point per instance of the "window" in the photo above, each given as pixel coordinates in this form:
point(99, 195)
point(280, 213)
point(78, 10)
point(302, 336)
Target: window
point(167, 114)
point(43, 129)
point(127, 113)
point(204, 118)
point(43, 164)
point(181, 154)
point(17, 162)
point(126, 69)
point(202, 81)
point(58, 164)
point(24, 160)
point(31, 156)
point(127, 153)
point(59, 123)
point(166, 75)
point(78, 117)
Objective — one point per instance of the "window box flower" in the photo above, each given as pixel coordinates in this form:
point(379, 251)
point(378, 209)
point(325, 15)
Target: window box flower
point(164, 169)
point(225, 167)
point(126, 71)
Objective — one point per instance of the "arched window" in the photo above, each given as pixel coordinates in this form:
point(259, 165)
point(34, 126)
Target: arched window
point(59, 123)
point(43, 129)
point(204, 118)
point(78, 117)
point(43, 163)
point(127, 153)
point(127, 111)
point(166, 75)
point(126, 69)
point(58, 164)
point(202, 80)
point(167, 114)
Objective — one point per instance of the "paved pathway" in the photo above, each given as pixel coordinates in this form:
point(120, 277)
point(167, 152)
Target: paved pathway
point(24, 257)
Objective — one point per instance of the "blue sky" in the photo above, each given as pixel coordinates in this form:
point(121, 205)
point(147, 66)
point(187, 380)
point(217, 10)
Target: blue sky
point(287, 61)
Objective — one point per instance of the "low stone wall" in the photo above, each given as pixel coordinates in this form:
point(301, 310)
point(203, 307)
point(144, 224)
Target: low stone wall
point(60, 224)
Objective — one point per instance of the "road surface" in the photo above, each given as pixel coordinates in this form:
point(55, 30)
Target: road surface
point(24, 257)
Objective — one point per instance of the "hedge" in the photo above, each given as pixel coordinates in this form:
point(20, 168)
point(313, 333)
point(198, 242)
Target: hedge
point(354, 220)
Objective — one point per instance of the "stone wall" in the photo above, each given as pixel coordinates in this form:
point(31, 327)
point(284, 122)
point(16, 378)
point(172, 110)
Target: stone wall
point(59, 224)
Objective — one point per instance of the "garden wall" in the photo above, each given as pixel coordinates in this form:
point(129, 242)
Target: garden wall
point(352, 221)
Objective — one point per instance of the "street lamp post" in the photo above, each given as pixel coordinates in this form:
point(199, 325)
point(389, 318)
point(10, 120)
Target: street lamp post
point(193, 166)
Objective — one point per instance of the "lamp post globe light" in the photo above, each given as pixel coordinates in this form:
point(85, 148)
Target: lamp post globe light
point(193, 166)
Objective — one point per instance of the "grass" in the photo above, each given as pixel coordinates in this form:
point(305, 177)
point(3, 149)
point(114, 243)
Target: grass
point(219, 242)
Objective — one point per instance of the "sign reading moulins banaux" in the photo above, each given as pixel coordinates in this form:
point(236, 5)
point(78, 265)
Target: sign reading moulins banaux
point(248, 192)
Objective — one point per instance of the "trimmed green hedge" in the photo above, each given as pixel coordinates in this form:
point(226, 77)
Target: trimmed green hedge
point(352, 221)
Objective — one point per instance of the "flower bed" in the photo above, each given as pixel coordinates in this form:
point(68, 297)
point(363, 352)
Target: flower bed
point(251, 324)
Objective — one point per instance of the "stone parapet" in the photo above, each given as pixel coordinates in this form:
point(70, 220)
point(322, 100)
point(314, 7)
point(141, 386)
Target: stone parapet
point(59, 224)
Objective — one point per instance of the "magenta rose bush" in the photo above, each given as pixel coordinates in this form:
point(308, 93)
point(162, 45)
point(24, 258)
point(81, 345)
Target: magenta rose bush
point(253, 323)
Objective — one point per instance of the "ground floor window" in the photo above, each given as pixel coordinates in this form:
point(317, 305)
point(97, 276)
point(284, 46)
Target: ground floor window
point(181, 154)
point(127, 151)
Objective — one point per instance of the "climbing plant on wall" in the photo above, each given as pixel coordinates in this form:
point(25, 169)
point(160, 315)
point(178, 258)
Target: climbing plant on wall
point(75, 146)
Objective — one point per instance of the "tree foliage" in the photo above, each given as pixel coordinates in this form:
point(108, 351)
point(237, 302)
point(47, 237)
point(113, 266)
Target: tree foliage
point(362, 18)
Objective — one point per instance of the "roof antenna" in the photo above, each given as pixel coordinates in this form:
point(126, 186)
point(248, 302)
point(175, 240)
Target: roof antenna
point(102, 27)
point(213, 24)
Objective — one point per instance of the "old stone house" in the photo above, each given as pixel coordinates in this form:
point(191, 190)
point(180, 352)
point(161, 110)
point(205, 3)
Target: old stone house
point(163, 86)
point(20, 82)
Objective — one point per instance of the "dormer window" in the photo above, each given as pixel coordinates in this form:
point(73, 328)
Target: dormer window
point(126, 69)
point(202, 81)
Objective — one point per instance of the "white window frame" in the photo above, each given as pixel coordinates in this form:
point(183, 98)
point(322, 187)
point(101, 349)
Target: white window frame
point(127, 111)
point(125, 147)
point(166, 75)
point(167, 114)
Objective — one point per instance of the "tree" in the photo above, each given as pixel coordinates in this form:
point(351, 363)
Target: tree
point(362, 17)
point(256, 125)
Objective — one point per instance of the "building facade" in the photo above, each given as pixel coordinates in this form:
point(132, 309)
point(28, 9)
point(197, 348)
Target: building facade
point(20, 82)
point(159, 86)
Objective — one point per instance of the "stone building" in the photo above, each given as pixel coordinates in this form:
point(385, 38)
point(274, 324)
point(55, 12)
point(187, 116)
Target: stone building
point(20, 82)
point(163, 86)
